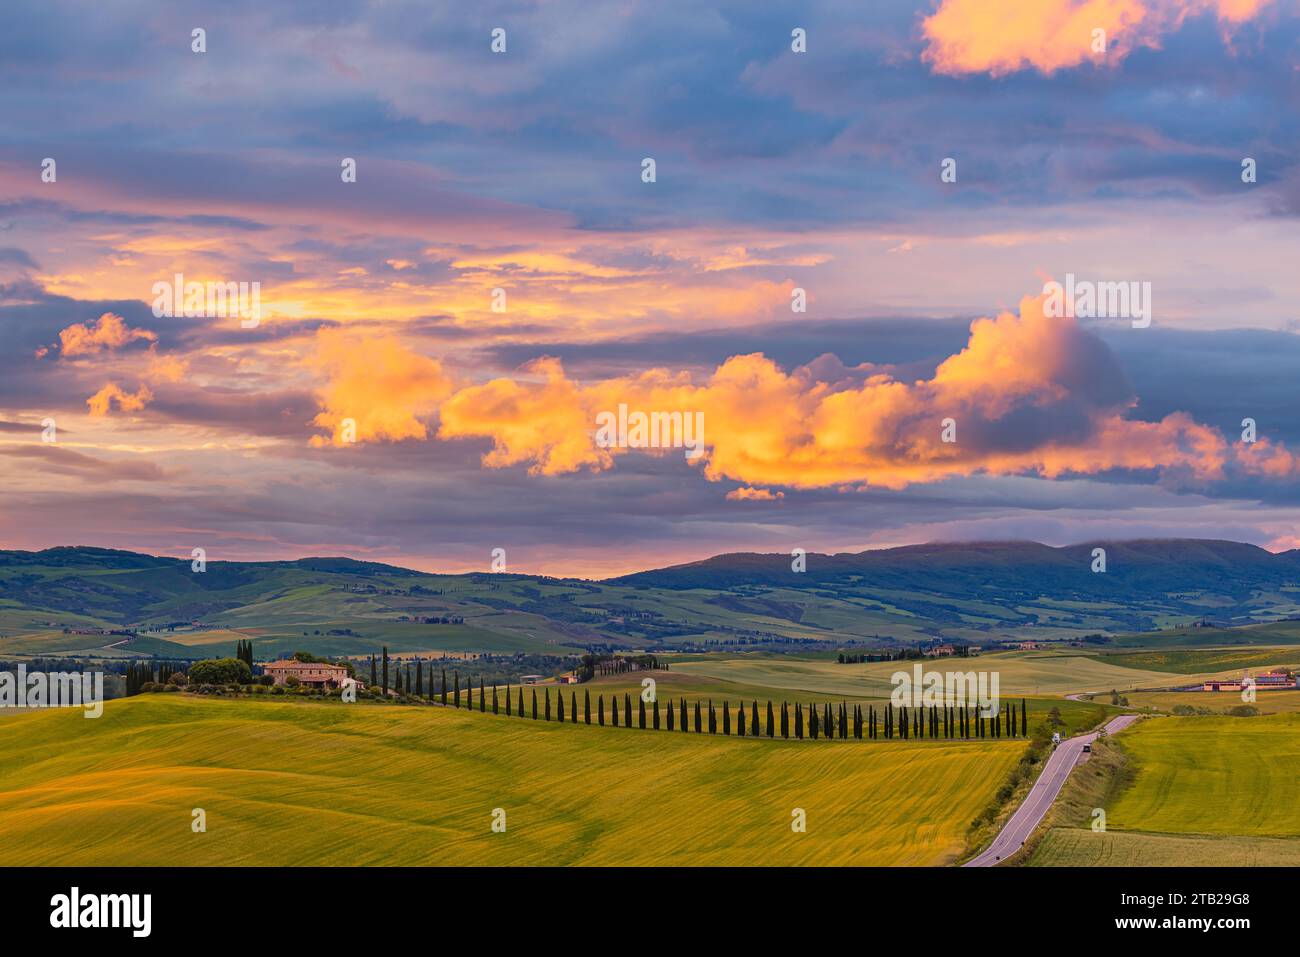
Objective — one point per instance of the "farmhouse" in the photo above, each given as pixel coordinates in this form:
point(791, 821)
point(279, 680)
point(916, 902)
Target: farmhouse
point(567, 679)
point(308, 672)
point(1269, 679)
point(1275, 679)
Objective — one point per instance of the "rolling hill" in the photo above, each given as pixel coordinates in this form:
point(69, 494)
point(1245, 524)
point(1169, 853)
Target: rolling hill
point(412, 786)
point(977, 592)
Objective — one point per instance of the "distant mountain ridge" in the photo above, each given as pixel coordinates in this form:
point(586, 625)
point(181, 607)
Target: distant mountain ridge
point(974, 591)
point(1131, 567)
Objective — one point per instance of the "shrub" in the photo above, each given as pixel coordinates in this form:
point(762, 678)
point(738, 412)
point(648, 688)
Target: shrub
point(1243, 711)
point(179, 679)
point(277, 689)
point(221, 671)
point(292, 681)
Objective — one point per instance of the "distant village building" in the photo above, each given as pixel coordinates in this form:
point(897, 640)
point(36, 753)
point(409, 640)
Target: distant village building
point(942, 651)
point(307, 672)
point(1274, 679)
point(1029, 645)
point(1270, 679)
point(530, 679)
point(568, 679)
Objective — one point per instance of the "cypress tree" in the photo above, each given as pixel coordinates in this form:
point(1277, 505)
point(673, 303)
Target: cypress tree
point(495, 709)
point(456, 696)
point(482, 703)
point(828, 722)
point(444, 687)
point(613, 710)
point(753, 719)
point(559, 702)
point(798, 723)
point(640, 712)
point(698, 722)
point(726, 717)
point(627, 709)
point(670, 711)
point(740, 720)
point(685, 722)
point(656, 714)
point(374, 680)
point(419, 677)
point(573, 707)
point(385, 685)
point(771, 722)
point(600, 710)
point(548, 704)
point(1024, 719)
point(785, 721)
point(534, 704)
point(713, 719)
point(586, 705)
point(521, 701)
point(507, 700)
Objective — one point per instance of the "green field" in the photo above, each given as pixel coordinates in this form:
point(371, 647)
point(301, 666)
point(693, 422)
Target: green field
point(1191, 791)
point(1020, 673)
point(1267, 702)
point(1269, 633)
point(296, 783)
point(1081, 847)
point(1204, 775)
point(1184, 661)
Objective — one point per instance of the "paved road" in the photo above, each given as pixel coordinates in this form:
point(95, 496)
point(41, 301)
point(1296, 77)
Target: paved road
point(1042, 794)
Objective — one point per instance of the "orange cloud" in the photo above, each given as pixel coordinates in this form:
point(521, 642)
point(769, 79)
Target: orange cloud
point(1029, 394)
point(748, 494)
point(102, 401)
point(378, 384)
point(978, 36)
point(107, 333)
point(166, 368)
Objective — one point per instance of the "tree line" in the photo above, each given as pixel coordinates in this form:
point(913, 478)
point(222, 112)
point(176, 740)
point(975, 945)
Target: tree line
point(951, 722)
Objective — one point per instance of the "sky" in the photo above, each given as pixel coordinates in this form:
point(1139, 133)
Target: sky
point(437, 337)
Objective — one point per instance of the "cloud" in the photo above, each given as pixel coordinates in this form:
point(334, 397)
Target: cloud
point(107, 333)
point(69, 462)
point(975, 36)
point(748, 494)
point(378, 383)
point(1028, 395)
point(102, 401)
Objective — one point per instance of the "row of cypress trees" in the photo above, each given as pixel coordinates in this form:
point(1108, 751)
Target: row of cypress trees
point(950, 722)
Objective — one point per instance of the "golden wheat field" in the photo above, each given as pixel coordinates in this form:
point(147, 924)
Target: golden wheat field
point(297, 783)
